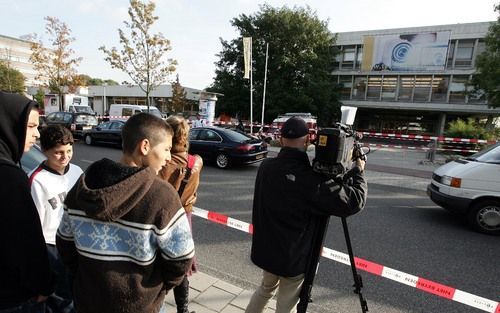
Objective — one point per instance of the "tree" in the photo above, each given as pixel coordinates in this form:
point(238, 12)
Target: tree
point(56, 65)
point(301, 57)
point(40, 97)
point(178, 96)
point(11, 80)
point(86, 80)
point(487, 80)
point(141, 55)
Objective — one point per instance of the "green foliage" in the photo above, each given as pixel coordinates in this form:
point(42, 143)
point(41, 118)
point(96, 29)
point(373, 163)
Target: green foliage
point(141, 54)
point(40, 97)
point(469, 129)
point(487, 80)
point(86, 80)
point(11, 80)
point(299, 66)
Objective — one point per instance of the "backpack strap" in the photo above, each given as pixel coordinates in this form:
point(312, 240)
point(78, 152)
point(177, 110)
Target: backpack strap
point(190, 164)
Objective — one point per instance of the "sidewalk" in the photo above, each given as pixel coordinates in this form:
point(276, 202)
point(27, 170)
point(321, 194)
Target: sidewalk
point(392, 168)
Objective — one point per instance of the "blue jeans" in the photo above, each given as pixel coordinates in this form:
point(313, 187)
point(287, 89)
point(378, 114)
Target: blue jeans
point(30, 306)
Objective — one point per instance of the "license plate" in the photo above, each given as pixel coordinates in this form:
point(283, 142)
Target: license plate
point(86, 127)
point(259, 156)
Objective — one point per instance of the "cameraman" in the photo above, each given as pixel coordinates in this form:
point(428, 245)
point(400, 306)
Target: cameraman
point(288, 193)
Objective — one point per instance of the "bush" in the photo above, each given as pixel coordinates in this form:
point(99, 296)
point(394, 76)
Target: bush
point(470, 129)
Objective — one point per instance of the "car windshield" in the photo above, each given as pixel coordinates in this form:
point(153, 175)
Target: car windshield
point(31, 159)
point(489, 155)
point(87, 119)
point(83, 109)
point(153, 111)
point(237, 136)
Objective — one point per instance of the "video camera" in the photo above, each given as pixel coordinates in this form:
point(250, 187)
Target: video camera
point(338, 147)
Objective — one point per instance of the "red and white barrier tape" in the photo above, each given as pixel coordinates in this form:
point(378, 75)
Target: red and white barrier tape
point(428, 138)
point(420, 148)
point(423, 284)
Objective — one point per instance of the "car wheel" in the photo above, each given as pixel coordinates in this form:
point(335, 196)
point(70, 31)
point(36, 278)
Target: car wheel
point(484, 216)
point(222, 161)
point(88, 140)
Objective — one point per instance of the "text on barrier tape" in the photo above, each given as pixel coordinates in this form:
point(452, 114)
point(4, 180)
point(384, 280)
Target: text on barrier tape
point(420, 283)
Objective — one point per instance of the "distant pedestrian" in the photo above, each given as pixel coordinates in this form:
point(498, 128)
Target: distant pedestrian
point(240, 126)
point(198, 122)
point(50, 182)
point(183, 172)
point(25, 276)
point(288, 195)
point(124, 233)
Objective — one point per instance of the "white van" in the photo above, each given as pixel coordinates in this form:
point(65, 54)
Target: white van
point(471, 187)
point(124, 111)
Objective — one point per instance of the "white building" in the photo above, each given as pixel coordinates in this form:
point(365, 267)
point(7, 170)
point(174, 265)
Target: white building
point(17, 53)
point(411, 79)
point(103, 96)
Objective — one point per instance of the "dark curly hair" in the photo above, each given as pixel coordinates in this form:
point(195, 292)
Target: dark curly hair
point(53, 135)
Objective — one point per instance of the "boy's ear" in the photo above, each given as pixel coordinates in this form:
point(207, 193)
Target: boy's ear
point(144, 146)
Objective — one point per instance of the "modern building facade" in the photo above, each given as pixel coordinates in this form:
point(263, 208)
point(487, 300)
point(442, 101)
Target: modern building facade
point(101, 97)
point(411, 80)
point(16, 52)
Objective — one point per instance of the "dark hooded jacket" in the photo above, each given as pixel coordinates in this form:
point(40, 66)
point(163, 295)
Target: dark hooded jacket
point(24, 266)
point(125, 237)
point(289, 196)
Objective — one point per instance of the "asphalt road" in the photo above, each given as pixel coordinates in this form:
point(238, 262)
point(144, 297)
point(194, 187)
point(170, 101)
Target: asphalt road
point(401, 230)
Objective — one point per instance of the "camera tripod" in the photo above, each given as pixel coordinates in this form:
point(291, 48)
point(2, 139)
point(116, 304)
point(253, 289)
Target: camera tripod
point(313, 264)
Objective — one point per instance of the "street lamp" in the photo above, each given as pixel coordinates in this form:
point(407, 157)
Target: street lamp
point(104, 97)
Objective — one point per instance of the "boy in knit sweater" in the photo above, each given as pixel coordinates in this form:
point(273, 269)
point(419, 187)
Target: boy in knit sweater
point(124, 233)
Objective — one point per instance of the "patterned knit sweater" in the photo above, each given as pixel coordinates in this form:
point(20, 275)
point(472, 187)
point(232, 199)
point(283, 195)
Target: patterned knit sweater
point(125, 237)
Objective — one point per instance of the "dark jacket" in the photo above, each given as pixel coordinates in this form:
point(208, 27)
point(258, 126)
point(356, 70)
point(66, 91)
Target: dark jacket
point(24, 266)
point(288, 193)
point(125, 237)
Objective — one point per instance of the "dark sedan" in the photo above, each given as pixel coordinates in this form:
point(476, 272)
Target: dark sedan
point(107, 132)
point(77, 123)
point(226, 147)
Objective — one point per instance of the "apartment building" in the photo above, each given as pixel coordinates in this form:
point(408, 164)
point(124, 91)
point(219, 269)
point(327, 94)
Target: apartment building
point(411, 80)
point(16, 52)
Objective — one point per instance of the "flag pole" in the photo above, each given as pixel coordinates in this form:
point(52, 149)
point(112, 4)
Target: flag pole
point(264, 93)
point(251, 88)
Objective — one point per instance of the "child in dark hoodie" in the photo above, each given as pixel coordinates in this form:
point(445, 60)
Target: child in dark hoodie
point(25, 273)
point(124, 233)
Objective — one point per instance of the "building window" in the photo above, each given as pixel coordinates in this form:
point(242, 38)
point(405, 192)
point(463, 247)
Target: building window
point(359, 87)
point(359, 57)
point(465, 49)
point(451, 51)
point(348, 57)
point(389, 87)
point(439, 88)
point(346, 86)
point(374, 84)
point(457, 89)
point(406, 84)
point(422, 88)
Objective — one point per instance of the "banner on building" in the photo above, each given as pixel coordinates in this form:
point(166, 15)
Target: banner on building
point(406, 52)
point(247, 55)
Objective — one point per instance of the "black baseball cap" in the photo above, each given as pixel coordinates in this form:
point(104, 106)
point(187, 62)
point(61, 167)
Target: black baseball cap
point(294, 127)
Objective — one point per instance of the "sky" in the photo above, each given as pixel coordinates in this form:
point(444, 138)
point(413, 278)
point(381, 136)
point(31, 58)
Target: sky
point(194, 27)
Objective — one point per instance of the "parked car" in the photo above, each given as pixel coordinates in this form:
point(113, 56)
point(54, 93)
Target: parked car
point(471, 187)
point(32, 158)
point(124, 111)
point(106, 132)
point(75, 122)
point(226, 147)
